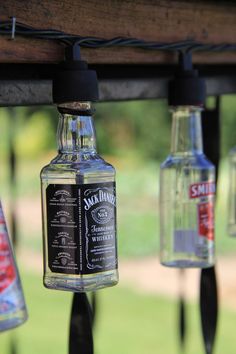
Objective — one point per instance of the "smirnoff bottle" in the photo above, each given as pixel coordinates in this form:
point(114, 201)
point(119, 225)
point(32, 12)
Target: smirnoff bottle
point(187, 181)
point(12, 304)
point(78, 193)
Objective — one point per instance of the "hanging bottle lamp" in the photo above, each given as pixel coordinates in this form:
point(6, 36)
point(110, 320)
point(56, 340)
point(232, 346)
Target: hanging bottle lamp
point(187, 178)
point(13, 310)
point(78, 190)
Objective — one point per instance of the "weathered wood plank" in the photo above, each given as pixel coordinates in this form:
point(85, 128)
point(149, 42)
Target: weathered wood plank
point(22, 50)
point(204, 21)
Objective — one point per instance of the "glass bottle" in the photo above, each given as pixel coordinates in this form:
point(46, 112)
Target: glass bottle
point(187, 189)
point(232, 193)
point(12, 304)
point(79, 208)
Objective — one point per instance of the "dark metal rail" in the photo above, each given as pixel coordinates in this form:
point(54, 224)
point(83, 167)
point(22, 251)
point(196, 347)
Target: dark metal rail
point(23, 84)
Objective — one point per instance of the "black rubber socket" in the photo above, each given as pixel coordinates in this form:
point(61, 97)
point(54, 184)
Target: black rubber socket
point(187, 88)
point(74, 82)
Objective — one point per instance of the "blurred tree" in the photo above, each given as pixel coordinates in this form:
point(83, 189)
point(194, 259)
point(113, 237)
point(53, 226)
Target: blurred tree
point(228, 123)
point(140, 127)
point(143, 126)
point(36, 128)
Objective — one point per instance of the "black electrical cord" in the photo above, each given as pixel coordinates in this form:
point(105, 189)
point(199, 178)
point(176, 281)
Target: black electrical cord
point(13, 28)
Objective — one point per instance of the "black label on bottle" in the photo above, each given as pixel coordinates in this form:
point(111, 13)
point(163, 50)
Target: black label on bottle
point(81, 225)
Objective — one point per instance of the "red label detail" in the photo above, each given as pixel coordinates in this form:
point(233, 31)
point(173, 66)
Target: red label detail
point(206, 220)
point(7, 269)
point(201, 189)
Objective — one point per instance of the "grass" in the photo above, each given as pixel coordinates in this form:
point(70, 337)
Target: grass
point(48, 316)
point(127, 322)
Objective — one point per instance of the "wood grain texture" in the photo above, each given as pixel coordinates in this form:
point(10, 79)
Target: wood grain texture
point(208, 22)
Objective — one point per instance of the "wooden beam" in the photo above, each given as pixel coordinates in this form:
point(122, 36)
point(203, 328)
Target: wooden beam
point(204, 21)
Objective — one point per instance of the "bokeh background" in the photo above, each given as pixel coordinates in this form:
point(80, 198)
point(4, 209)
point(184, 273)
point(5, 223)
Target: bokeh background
point(140, 314)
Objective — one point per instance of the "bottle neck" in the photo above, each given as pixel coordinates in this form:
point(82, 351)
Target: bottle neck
point(76, 131)
point(186, 130)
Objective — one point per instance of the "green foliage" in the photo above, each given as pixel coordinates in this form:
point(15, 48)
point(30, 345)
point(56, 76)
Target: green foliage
point(36, 136)
point(143, 126)
point(127, 322)
point(4, 132)
point(228, 123)
point(31, 129)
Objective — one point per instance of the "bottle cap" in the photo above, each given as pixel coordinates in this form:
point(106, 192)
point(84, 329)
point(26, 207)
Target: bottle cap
point(74, 82)
point(187, 88)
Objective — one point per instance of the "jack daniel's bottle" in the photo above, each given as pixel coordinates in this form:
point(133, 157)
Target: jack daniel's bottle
point(78, 193)
point(79, 209)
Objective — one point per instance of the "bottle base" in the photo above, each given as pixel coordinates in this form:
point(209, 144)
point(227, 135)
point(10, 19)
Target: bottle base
point(184, 263)
point(81, 284)
point(12, 323)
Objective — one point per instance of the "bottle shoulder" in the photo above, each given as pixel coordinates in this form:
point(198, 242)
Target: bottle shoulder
point(196, 161)
point(77, 163)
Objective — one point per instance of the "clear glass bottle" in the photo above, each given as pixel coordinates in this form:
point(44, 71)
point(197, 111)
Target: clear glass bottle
point(79, 208)
point(12, 304)
point(187, 189)
point(232, 193)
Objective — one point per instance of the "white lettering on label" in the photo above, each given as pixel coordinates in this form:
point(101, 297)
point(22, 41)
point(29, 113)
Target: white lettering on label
point(99, 197)
point(201, 189)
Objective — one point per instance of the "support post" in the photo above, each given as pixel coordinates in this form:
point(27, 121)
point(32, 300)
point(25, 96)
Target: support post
point(208, 282)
